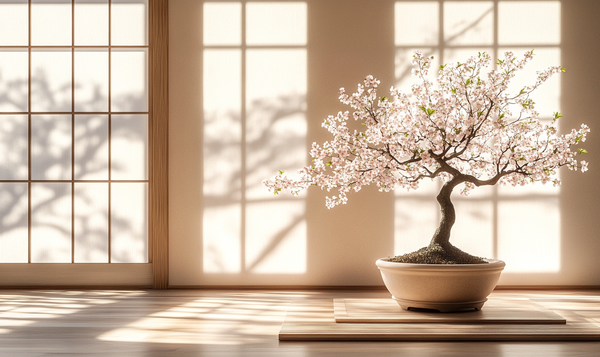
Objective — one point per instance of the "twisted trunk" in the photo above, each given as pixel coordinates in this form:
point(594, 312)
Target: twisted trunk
point(442, 234)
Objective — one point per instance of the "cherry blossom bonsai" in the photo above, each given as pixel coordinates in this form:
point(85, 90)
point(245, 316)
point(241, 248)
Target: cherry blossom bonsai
point(463, 128)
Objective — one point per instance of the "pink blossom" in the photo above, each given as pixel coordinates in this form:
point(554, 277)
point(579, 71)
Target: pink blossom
point(460, 124)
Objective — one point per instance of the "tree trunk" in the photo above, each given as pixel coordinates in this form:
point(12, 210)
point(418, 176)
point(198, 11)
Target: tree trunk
point(442, 234)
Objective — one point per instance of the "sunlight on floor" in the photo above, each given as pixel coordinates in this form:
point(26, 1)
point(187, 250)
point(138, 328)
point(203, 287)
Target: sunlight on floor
point(23, 310)
point(207, 321)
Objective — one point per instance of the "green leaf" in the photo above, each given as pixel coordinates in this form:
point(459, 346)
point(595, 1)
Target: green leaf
point(329, 163)
point(281, 172)
point(582, 151)
point(469, 81)
point(557, 115)
point(563, 69)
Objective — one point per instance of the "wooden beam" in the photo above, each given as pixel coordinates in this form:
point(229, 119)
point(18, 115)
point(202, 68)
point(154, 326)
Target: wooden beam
point(159, 124)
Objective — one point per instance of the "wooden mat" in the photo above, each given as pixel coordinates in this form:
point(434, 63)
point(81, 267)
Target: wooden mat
point(495, 311)
point(314, 320)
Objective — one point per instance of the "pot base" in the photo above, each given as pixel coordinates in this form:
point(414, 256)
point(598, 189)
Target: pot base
point(441, 306)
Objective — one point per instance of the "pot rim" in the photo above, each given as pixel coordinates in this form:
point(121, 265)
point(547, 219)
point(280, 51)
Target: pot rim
point(493, 264)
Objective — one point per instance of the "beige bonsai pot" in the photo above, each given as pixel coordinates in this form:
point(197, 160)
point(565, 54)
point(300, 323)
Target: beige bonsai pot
point(442, 287)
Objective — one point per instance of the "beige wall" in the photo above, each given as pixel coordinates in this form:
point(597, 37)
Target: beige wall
point(348, 39)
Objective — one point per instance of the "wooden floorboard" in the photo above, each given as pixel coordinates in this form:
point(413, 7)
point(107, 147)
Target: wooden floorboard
point(178, 323)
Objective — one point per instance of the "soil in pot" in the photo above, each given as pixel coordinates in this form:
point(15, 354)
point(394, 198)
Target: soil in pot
point(438, 254)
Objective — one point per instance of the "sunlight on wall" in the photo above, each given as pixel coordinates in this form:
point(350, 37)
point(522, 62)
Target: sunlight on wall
point(518, 225)
point(468, 22)
point(222, 160)
point(254, 124)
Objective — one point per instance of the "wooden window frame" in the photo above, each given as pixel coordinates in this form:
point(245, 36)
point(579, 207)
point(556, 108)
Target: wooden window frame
point(155, 273)
point(159, 143)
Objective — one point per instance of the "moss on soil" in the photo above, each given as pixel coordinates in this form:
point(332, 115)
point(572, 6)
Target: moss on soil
point(438, 254)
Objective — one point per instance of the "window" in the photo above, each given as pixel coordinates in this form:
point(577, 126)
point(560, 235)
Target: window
point(74, 129)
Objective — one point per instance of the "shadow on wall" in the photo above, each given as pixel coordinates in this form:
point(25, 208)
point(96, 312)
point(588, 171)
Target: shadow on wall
point(245, 228)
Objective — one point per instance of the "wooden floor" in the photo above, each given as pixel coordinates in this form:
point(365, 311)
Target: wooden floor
point(231, 323)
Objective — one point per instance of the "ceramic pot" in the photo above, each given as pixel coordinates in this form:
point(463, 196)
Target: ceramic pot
point(442, 287)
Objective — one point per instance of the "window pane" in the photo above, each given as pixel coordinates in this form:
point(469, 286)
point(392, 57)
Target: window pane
point(469, 23)
point(129, 147)
point(129, 222)
point(13, 225)
point(91, 222)
point(14, 23)
point(91, 147)
point(129, 25)
point(91, 22)
point(51, 147)
point(13, 147)
point(51, 22)
point(222, 23)
point(14, 74)
point(416, 23)
point(51, 81)
point(129, 81)
point(91, 81)
point(50, 222)
point(276, 23)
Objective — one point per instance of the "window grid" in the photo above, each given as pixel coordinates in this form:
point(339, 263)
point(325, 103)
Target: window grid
point(73, 47)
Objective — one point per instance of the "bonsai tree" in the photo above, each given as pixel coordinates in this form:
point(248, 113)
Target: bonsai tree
point(463, 128)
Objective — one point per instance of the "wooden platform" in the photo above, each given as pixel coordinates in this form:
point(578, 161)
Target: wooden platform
point(503, 320)
point(495, 311)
